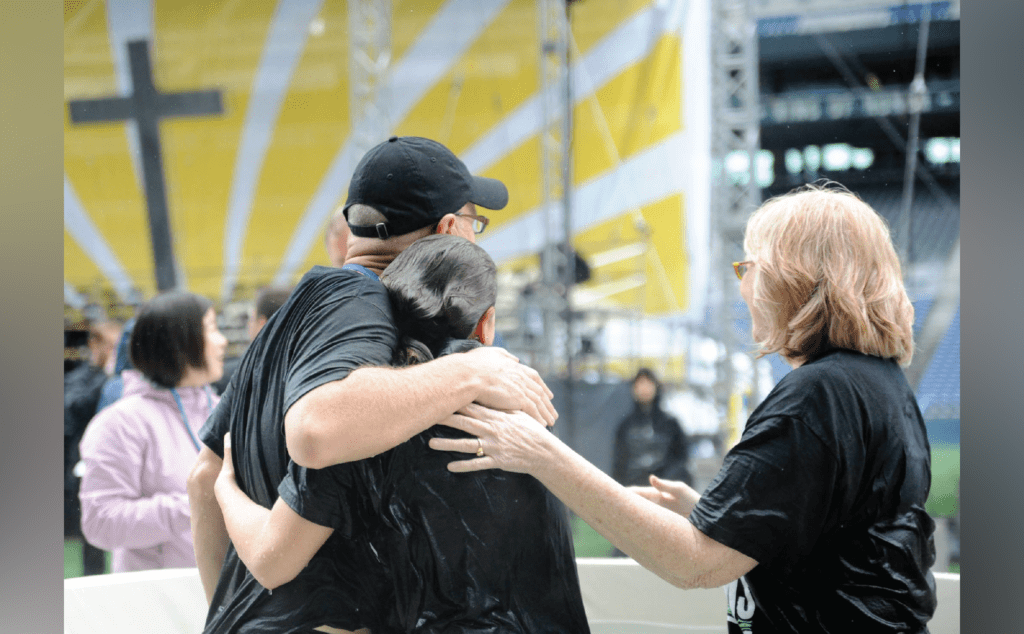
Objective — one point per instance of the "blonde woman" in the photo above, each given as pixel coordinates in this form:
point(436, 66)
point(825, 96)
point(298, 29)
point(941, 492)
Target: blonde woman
point(816, 521)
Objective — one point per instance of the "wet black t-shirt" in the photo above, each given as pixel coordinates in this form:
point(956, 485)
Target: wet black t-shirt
point(489, 551)
point(826, 491)
point(335, 321)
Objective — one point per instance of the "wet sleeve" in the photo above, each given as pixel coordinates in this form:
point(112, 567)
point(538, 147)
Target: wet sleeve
point(329, 497)
point(771, 498)
point(344, 335)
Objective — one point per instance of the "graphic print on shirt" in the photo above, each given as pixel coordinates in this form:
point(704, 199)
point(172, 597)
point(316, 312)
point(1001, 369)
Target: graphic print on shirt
point(740, 607)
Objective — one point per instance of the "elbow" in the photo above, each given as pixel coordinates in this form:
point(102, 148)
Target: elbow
point(271, 576)
point(686, 578)
point(681, 581)
point(706, 579)
point(266, 578)
point(302, 449)
point(97, 529)
point(201, 478)
point(304, 444)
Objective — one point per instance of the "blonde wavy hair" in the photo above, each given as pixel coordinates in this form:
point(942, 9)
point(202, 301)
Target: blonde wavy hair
point(827, 276)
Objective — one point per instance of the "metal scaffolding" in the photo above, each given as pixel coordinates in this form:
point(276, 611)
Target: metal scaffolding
point(369, 33)
point(557, 261)
point(735, 127)
point(556, 188)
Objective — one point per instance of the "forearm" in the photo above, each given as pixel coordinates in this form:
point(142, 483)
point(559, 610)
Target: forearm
point(375, 409)
point(246, 523)
point(209, 535)
point(658, 539)
point(273, 554)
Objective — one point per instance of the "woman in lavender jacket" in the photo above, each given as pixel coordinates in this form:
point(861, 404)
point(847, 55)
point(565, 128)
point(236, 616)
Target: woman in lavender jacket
point(137, 452)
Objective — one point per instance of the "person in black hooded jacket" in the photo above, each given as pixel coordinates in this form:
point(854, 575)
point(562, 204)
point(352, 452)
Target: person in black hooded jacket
point(649, 440)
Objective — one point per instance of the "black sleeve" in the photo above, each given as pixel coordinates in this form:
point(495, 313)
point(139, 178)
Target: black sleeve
point(330, 497)
point(770, 500)
point(219, 423)
point(347, 334)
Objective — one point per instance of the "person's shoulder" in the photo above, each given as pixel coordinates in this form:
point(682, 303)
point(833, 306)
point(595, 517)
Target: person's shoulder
point(124, 417)
point(339, 284)
point(802, 389)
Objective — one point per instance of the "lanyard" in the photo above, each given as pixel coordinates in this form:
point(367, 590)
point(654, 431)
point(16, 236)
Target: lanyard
point(359, 268)
point(184, 416)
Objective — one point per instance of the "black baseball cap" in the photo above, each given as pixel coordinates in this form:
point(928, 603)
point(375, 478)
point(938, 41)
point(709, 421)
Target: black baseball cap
point(415, 182)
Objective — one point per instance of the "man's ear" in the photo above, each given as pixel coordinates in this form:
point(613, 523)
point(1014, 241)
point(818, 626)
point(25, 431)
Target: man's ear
point(447, 224)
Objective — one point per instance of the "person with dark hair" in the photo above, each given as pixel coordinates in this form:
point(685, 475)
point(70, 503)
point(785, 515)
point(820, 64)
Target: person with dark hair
point(316, 387)
point(83, 388)
point(444, 545)
point(816, 521)
point(649, 440)
point(114, 385)
point(268, 299)
point(137, 452)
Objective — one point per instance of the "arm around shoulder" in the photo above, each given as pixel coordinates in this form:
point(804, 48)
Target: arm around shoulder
point(373, 410)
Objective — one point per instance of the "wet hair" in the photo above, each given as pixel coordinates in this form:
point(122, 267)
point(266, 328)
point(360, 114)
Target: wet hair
point(827, 276)
point(168, 337)
point(440, 287)
point(269, 299)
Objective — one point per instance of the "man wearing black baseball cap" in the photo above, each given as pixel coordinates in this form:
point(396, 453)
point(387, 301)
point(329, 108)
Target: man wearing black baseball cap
point(314, 386)
point(415, 182)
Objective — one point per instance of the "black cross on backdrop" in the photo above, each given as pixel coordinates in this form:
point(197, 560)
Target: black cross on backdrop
point(147, 105)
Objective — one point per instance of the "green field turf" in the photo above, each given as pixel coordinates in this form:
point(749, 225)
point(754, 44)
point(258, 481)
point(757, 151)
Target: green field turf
point(73, 558)
point(943, 499)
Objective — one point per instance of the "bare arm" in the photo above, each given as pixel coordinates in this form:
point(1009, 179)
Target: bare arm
point(375, 409)
point(660, 539)
point(209, 535)
point(276, 544)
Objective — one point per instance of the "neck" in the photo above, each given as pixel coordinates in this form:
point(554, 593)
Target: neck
point(376, 263)
point(193, 378)
point(794, 363)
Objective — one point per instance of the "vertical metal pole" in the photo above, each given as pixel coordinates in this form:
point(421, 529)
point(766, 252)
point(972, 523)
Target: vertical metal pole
point(369, 32)
point(915, 103)
point(735, 127)
point(570, 258)
point(556, 198)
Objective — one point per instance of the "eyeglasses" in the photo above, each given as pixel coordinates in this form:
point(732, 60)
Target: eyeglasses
point(741, 268)
point(479, 222)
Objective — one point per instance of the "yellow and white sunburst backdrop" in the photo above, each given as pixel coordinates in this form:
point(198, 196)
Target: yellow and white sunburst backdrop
point(249, 190)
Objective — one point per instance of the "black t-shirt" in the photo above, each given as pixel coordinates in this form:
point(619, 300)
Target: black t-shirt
point(826, 491)
point(335, 321)
point(482, 552)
